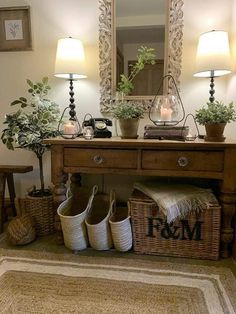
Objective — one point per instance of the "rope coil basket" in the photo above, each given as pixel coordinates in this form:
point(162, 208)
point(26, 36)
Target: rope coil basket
point(121, 228)
point(97, 222)
point(21, 229)
point(72, 213)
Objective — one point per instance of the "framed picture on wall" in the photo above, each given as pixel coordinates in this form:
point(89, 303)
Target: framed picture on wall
point(15, 29)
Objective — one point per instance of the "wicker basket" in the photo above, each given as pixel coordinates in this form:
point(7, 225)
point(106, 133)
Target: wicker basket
point(97, 222)
point(121, 228)
point(196, 236)
point(72, 213)
point(42, 210)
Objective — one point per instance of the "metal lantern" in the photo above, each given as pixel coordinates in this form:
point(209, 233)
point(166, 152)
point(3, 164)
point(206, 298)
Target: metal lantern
point(69, 128)
point(167, 110)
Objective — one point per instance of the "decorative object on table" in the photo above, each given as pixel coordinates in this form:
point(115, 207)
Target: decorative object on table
point(27, 128)
point(166, 132)
point(99, 126)
point(195, 236)
point(167, 110)
point(72, 213)
point(214, 117)
point(128, 114)
point(193, 131)
point(21, 229)
point(120, 225)
point(145, 56)
point(97, 221)
point(213, 57)
point(70, 65)
point(15, 29)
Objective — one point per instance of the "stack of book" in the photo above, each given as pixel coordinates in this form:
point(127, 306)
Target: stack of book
point(166, 132)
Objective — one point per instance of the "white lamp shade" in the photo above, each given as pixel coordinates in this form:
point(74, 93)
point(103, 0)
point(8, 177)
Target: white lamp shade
point(70, 59)
point(213, 54)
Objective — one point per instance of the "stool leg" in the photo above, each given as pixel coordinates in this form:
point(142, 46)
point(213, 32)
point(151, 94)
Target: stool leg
point(2, 200)
point(11, 189)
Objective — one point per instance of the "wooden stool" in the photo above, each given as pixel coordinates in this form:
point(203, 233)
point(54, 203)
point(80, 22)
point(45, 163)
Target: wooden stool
point(6, 176)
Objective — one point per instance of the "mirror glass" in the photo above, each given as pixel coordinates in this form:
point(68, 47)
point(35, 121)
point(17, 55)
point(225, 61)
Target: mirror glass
point(140, 23)
point(119, 31)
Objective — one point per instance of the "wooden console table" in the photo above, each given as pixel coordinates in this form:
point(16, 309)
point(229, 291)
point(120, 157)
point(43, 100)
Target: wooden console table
point(198, 159)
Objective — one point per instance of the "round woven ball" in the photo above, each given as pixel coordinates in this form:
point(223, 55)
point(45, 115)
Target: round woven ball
point(21, 230)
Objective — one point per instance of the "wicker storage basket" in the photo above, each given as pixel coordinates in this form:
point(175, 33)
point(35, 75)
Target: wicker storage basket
point(97, 222)
point(72, 213)
point(42, 211)
point(196, 236)
point(121, 228)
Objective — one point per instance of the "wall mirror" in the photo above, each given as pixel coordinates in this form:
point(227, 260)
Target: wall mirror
point(118, 28)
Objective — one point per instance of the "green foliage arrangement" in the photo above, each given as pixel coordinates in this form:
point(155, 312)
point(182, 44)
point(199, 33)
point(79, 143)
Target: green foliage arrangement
point(128, 110)
point(216, 112)
point(36, 120)
point(145, 56)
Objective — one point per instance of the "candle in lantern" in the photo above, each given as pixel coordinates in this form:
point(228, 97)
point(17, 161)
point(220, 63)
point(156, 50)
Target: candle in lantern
point(166, 113)
point(69, 128)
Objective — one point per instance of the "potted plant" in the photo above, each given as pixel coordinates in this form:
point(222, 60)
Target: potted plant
point(128, 114)
point(36, 120)
point(215, 117)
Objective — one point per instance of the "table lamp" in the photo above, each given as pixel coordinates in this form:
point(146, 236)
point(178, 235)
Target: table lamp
point(213, 57)
point(70, 65)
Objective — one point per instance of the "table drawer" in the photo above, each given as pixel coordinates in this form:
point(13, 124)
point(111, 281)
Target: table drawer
point(183, 160)
point(100, 158)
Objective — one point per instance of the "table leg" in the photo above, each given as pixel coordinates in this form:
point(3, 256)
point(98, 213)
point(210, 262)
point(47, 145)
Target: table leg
point(2, 200)
point(59, 177)
point(228, 203)
point(11, 189)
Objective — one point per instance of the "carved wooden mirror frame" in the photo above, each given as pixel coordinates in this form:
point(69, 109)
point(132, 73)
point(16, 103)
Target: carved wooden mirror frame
point(173, 53)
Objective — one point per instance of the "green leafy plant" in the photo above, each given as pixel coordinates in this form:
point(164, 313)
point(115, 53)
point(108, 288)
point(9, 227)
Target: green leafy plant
point(216, 112)
point(128, 110)
point(36, 120)
point(145, 56)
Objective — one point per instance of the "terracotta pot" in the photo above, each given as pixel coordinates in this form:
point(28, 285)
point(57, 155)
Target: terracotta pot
point(129, 128)
point(214, 132)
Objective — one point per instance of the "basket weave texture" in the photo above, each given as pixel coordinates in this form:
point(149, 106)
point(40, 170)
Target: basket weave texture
point(196, 236)
point(121, 229)
point(97, 222)
point(21, 230)
point(42, 211)
point(72, 213)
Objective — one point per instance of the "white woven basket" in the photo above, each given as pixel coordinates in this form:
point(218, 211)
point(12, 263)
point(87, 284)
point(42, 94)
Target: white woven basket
point(121, 228)
point(97, 222)
point(72, 213)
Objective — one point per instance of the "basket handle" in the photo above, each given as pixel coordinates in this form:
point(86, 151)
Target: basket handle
point(94, 192)
point(112, 196)
point(112, 207)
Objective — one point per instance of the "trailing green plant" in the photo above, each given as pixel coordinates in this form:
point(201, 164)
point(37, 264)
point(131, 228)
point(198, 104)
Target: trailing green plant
point(128, 110)
point(145, 56)
point(216, 112)
point(36, 120)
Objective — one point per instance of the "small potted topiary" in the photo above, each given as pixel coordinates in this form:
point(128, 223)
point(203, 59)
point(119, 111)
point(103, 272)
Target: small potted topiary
point(128, 114)
point(215, 117)
point(36, 120)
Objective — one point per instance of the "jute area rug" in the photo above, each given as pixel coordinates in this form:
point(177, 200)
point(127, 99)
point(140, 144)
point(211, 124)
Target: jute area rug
point(53, 283)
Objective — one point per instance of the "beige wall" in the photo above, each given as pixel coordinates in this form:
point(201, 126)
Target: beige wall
point(53, 19)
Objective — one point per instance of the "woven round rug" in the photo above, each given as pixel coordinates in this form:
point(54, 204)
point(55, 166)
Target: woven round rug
point(49, 283)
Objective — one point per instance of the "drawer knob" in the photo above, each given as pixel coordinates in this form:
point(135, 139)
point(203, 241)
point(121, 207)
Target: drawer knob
point(98, 159)
point(183, 161)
